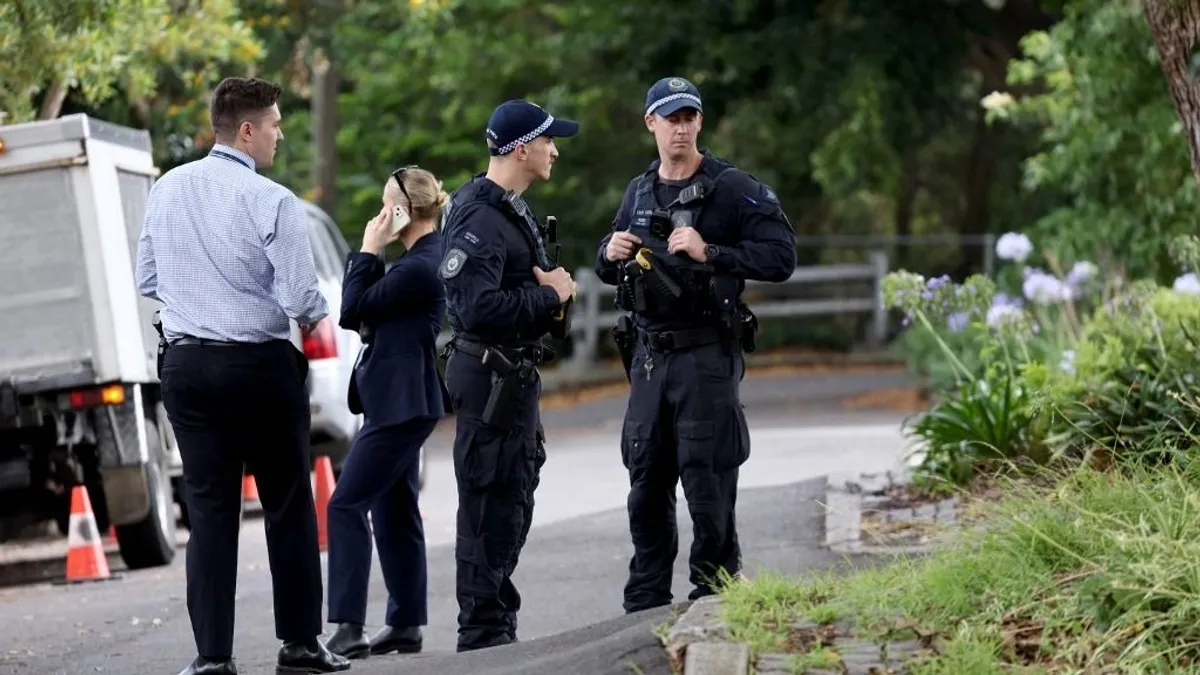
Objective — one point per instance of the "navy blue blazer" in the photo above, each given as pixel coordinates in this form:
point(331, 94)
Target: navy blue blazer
point(396, 378)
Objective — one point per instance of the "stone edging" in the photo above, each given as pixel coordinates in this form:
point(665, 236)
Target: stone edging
point(848, 497)
point(699, 644)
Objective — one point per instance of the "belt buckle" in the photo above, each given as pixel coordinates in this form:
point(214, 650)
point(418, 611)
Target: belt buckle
point(663, 341)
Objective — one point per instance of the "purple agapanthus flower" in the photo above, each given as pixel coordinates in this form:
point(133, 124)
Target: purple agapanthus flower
point(957, 321)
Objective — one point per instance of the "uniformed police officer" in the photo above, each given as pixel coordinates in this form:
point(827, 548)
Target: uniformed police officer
point(502, 297)
point(688, 233)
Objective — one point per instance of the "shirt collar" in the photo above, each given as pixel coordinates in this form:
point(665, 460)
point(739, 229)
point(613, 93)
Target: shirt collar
point(236, 153)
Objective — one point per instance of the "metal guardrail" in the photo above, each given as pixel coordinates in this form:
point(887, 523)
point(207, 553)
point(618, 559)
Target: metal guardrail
point(591, 322)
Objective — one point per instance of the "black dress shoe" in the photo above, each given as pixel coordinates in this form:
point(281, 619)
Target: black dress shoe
point(203, 666)
point(298, 658)
point(399, 640)
point(349, 641)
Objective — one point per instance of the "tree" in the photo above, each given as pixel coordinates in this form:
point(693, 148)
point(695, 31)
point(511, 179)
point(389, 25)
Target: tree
point(1174, 24)
point(104, 47)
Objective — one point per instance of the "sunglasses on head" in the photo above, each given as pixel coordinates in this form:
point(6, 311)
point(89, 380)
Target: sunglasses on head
point(397, 174)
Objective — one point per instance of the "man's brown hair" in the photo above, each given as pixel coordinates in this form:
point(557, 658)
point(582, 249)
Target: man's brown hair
point(237, 99)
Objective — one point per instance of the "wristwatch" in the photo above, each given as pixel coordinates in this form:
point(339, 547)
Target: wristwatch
point(711, 251)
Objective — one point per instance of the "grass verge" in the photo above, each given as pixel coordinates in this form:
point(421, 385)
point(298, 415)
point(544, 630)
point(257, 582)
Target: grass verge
point(1094, 572)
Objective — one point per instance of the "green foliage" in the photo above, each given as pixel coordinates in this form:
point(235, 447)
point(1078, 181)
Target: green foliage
point(1018, 352)
point(121, 49)
point(1134, 384)
point(977, 427)
point(1113, 158)
point(1084, 571)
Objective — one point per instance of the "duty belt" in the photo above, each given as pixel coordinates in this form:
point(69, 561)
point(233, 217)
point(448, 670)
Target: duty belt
point(669, 340)
point(538, 354)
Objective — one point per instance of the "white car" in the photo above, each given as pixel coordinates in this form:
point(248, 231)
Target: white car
point(331, 350)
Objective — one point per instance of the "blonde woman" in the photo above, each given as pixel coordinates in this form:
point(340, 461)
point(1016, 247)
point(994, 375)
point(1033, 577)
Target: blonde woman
point(397, 388)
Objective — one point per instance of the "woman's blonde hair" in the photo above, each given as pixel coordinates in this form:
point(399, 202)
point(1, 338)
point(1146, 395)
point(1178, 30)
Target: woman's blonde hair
point(423, 189)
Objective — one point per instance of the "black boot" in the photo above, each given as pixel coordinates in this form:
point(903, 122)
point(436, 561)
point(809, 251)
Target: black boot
point(400, 640)
point(349, 641)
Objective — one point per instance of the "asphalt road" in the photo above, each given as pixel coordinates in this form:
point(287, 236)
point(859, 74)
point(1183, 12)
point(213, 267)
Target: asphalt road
point(571, 573)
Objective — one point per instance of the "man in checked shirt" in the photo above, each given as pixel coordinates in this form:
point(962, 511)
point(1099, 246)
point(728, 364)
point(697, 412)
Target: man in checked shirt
point(226, 251)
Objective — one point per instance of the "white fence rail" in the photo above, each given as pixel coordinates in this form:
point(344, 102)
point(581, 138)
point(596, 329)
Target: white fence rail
point(592, 322)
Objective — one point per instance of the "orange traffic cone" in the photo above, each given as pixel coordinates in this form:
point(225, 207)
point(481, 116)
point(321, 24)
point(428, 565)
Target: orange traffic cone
point(85, 552)
point(323, 490)
point(249, 489)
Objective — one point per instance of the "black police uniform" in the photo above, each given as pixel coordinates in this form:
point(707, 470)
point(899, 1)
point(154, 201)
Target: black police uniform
point(683, 344)
point(498, 313)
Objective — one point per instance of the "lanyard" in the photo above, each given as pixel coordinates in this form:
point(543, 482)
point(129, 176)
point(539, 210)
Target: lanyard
point(232, 158)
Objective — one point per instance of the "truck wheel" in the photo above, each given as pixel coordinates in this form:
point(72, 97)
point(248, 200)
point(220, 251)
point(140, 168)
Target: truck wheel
point(151, 542)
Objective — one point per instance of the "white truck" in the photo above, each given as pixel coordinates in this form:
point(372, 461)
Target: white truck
point(79, 394)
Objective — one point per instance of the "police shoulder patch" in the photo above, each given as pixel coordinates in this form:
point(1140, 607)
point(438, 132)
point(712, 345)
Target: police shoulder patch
point(769, 194)
point(452, 264)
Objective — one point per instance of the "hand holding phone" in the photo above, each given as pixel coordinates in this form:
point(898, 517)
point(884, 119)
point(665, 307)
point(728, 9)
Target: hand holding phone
point(380, 231)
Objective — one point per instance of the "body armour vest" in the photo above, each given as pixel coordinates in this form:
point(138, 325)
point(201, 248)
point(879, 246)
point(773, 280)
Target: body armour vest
point(661, 289)
point(525, 248)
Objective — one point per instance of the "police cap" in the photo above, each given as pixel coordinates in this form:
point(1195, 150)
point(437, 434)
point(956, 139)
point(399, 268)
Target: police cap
point(672, 94)
point(517, 121)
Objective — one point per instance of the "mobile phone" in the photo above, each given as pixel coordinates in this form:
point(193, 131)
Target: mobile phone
point(400, 219)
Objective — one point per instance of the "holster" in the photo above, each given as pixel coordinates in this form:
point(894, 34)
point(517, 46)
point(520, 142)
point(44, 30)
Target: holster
point(162, 343)
point(748, 328)
point(508, 381)
point(625, 337)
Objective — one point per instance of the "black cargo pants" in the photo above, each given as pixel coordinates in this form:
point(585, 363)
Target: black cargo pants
point(684, 423)
point(497, 470)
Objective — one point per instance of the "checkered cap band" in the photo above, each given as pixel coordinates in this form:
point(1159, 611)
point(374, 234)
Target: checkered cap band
point(512, 145)
point(673, 97)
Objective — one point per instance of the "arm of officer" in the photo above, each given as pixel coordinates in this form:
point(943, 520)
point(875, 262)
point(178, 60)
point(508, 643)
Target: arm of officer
point(370, 294)
point(767, 249)
point(283, 226)
point(147, 270)
point(471, 271)
point(609, 271)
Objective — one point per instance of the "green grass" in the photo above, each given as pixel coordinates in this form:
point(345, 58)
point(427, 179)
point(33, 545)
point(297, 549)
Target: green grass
point(1094, 572)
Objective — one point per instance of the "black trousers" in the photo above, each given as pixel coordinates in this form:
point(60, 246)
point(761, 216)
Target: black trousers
point(232, 406)
point(497, 470)
point(380, 476)
point(684, 423)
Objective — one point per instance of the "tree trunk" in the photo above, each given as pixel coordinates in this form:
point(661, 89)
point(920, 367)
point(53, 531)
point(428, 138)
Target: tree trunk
point(1174, 24)
point(52, 104)
point(906, 201)
point(977, 188)
point(324, 121)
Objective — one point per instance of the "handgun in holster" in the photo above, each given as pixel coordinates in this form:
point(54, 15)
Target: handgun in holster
point(625, 337)
point(162, 343)
point(738, 320)
point(506, 383)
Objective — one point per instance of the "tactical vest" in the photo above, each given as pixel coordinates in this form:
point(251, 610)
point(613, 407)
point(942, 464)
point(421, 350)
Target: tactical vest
point(653, 224)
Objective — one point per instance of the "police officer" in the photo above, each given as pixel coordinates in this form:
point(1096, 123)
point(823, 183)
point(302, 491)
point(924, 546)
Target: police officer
point(690, 230)
point(503, 295)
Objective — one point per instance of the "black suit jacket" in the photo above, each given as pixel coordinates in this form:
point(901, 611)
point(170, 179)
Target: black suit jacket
point(396, 378)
